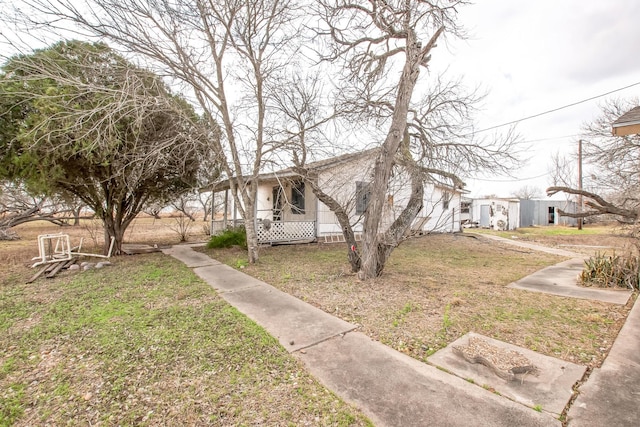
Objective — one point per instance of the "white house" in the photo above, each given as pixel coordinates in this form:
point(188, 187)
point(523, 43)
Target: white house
point(287, 210)
point(496, 213)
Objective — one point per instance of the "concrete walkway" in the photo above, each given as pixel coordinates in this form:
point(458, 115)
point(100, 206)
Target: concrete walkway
point(611, 394)
point(560, 279)
point(532, 246)
point(392, 389)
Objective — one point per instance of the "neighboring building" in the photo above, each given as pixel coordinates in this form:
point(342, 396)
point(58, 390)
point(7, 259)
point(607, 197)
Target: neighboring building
point(628, 123)
point(499, 213)
point(496, 213)
point(546, 212)
point(465, 211)
point(287, 210)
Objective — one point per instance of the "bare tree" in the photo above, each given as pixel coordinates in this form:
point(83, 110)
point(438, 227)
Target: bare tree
point(72, 206)
point(204, 198)
point(202, 195)
point(224, 53)
point(235, 57)
point(615, 163)
point(18, 206)
point(563, 171)
point(182, 224)
point(600, 206)
point(527, 192)
point(154, 209)
point(300, 103)
point(372, 39)
point(184, 205)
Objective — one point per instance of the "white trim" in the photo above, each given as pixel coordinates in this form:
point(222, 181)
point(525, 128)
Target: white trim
point(624, 124)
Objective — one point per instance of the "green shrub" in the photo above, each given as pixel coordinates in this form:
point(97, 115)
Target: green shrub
point(611, 271)
point(230, 237)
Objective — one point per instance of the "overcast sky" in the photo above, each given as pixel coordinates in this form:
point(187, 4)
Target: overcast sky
point(534, 56)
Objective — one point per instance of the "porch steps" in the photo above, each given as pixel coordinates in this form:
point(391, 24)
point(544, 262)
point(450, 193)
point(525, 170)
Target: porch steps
point(339, 238)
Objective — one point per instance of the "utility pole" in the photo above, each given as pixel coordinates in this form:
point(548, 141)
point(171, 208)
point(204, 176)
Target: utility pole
point(580, 181)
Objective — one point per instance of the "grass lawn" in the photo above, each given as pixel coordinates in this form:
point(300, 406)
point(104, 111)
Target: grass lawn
point(587, 230)
point(591, 239)
point(439, 287)
point(144, 342)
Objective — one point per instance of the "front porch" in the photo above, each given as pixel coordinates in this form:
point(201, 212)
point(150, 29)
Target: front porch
point(285, 211)
point(273, 232)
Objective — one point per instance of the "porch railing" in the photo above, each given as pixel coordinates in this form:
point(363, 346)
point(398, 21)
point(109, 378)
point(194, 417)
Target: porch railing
point(274, 232)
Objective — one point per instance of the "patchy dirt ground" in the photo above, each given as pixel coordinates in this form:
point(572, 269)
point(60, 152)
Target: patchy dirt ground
point(16, 255)
point(439, 287)
point(144, 342)
point(590, 240)
point(434, 290)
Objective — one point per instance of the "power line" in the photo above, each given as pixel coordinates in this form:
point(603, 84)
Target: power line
point(557, 109)
point(512, 179)
point(551, 138)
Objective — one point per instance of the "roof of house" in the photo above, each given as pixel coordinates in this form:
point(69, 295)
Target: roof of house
point(338, 160)
point(496, 199)
point(318, 166)
point(631, 117)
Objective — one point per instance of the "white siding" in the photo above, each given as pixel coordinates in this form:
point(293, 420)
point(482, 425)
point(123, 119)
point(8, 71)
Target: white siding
point(340, 183)
point(264, 204)
point(442, 218)
point(504, 213)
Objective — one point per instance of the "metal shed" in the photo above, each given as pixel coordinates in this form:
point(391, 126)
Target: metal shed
point(546, 212)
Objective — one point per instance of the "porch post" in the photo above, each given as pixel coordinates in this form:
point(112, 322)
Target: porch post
point(453, 220)
point(225, 215)
point(213, 213)
point(317, 218)
point(235, 214)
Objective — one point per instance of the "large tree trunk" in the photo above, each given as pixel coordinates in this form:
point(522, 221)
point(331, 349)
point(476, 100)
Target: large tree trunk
point(598, 205)
point(398, 230)
point(116, 222)
point(252, 238)
point(111, 229)
point(10, 220)
point(76, 215)
point(385, 160)
point(248, 212)
point(343, 219)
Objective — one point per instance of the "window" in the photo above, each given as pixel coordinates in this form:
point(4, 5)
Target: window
point(446, 197)
point(363, 195)
point(297, 197)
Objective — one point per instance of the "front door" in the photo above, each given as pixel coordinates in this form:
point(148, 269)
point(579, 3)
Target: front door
point(485, 215)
